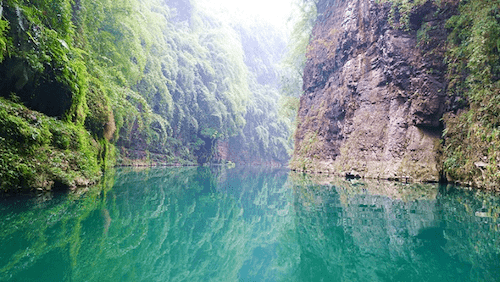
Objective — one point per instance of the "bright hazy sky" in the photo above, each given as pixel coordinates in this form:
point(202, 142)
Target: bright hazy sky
point(275, 11)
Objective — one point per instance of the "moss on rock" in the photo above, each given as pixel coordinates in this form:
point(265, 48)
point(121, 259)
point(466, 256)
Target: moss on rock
point(42, 152)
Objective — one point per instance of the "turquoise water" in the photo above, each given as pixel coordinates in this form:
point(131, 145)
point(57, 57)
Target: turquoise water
point(206, 224)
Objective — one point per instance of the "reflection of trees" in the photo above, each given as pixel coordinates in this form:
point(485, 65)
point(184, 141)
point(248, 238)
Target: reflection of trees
point(358, 231)
point(201, 223)
point(163, 231)
point(264, 198)
point(170, 227)
point(179, 224)
point(53, 224)
point(473, 230)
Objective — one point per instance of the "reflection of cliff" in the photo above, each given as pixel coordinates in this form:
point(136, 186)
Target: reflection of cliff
point(366, 236)
point(209, 224)
point(354, 234)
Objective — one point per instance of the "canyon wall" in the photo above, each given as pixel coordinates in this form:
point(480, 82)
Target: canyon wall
point(374, 91)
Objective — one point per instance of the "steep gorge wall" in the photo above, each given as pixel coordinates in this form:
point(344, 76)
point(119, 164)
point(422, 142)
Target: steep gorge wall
point(374, 92)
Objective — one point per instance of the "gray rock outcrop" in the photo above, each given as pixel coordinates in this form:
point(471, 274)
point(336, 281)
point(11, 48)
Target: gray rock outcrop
point(374, 92)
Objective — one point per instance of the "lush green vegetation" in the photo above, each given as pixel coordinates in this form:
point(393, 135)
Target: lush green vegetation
point(266, 133)
point(42, 69)
point(40, 151)
point(472, 146)
point(295, 59)
point(160, 80)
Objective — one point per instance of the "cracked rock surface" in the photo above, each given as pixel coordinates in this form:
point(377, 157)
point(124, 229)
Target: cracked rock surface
point(374, 94)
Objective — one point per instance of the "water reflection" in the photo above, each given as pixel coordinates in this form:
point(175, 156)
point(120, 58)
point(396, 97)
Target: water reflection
point(375, 231)
point(207, 224)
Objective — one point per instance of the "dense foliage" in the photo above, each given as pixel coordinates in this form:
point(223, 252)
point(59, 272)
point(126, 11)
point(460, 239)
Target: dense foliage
point(472, 136)
point(266, 132)
point(42, 69)
point(295, 59)
point(163, 81)
point(160, 80)
point(40, 151)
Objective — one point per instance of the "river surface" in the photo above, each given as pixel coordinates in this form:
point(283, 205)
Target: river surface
point(250, 224)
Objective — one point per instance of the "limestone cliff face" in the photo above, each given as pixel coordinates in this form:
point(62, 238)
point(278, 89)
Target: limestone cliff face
point(374, 92)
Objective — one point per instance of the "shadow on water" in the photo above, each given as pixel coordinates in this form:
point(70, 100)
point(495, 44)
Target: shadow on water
point(250, 224)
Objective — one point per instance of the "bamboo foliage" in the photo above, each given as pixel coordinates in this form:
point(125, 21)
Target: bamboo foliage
point(150, 76)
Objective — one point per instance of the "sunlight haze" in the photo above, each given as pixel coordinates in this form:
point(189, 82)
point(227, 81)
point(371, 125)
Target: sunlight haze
point(276, 12)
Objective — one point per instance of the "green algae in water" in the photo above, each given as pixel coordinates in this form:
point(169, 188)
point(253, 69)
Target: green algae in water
point(250, 224)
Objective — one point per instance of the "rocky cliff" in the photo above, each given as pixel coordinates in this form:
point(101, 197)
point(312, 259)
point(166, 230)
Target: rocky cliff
point(374, 91)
